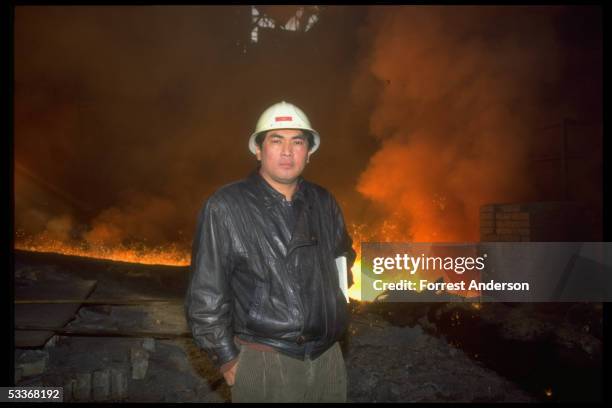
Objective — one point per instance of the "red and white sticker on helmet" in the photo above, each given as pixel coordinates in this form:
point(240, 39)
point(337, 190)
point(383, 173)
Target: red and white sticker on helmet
point(283, 119)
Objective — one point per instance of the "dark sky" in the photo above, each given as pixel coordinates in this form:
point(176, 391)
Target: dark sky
point(127, 118)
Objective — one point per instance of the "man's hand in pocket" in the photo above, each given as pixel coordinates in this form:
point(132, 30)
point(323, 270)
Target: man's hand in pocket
point(229, 371)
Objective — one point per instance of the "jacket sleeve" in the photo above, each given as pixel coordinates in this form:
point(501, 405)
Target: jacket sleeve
point(209, 296)
point(344, 243)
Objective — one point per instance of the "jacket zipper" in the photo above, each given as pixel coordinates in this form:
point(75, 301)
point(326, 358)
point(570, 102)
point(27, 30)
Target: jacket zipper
point(296, 296)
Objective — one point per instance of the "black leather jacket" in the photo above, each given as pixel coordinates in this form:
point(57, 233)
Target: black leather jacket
point(253, 278)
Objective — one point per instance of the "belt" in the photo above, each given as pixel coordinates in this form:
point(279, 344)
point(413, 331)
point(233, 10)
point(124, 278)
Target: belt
point(309, 346)
point(255, 346)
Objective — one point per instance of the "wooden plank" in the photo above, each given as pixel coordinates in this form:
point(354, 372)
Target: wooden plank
point(108, 333)
point(47, 315)
point(136, 302)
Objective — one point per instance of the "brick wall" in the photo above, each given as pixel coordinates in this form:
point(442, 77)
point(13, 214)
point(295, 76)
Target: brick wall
point(538, 222)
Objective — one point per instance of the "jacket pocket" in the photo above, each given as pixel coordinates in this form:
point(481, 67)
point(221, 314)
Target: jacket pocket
point(255, 309)
point(271, 316)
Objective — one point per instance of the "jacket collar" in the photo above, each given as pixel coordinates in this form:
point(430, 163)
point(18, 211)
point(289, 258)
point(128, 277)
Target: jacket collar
point(271, 195)
point(301, 234)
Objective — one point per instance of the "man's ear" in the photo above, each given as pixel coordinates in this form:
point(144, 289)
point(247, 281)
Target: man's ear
point(258, 152)
point(308, 158)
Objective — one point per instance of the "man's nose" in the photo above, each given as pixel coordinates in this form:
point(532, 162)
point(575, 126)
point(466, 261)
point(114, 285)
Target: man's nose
point(287, 149)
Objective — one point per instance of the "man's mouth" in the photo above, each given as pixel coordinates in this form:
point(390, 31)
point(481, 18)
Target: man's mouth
point(286, 165)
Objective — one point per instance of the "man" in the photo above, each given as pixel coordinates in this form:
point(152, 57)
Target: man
point(264, 299)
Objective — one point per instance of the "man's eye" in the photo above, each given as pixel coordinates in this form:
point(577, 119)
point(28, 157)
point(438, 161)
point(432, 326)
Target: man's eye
point(298, 142)
point(277, 141)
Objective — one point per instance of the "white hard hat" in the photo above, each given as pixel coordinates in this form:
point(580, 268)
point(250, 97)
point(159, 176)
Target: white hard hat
point(283, 115)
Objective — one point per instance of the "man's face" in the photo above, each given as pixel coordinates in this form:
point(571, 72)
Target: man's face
point(283, 155)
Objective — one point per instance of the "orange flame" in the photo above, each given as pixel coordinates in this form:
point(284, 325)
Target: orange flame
point(389, 231)
point(170, 254)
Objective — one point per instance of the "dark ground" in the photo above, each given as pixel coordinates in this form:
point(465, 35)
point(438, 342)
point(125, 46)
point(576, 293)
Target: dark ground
point(442, 352)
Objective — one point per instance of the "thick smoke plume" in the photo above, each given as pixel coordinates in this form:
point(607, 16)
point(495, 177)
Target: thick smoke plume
point(456, 111)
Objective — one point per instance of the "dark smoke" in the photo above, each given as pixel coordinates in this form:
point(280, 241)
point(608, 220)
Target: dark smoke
point(463, 89)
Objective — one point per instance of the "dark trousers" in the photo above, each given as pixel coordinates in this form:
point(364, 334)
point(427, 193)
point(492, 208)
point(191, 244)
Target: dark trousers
point(264, 376)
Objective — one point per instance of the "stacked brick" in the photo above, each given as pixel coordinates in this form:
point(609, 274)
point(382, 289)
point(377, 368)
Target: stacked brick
point(537, 222)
